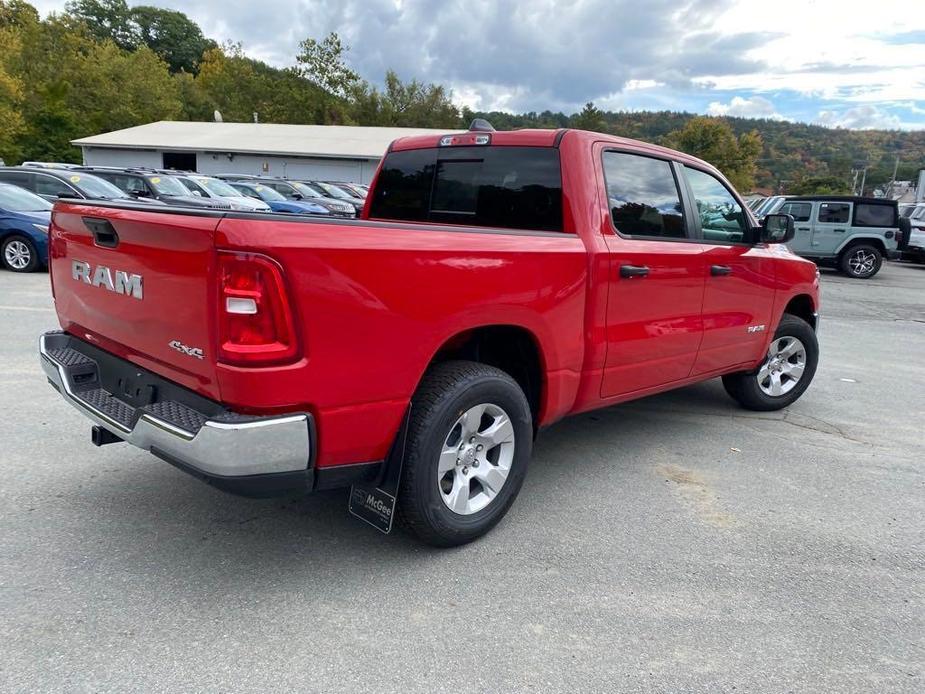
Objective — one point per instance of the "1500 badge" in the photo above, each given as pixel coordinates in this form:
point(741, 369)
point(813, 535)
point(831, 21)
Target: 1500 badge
point(188, 351)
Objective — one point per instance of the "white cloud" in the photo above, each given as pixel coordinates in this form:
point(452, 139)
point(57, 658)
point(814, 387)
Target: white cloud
point(751, 107)
point(865, 117)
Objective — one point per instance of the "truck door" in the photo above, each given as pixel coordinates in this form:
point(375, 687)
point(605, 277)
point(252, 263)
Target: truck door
point(830, 227)
point(656, 276)
point(802, 213)
point(739, 292)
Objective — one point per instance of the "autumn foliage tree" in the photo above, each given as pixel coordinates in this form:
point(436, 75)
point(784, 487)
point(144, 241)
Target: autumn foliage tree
point(714, 141)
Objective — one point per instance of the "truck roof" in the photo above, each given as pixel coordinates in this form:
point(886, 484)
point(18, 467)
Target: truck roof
point(537, 137)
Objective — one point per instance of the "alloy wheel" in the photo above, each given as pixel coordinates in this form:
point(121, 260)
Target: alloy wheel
point(783, 368)
point(17, 255)
point(862, 262)
point(476, 459)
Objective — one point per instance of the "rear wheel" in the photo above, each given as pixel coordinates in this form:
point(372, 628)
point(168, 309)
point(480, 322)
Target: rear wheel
point(469, 443)
point(862, 261)
point(785, 373)
point(19, 254)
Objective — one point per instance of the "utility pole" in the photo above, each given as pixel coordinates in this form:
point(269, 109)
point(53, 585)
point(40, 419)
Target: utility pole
point(863, 180)
point(893, 180)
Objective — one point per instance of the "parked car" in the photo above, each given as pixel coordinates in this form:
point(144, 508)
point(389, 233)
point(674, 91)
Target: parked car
point(915, 249)
point(24, 219)
point(770, 205)
point(276, 201)
point(337, 193)
point(146, 184)
point(50, 165)
point(52, 184)
point(350, 188)
point(297, 190)
point(851, 233)
point(209, 187)
point(414, 353)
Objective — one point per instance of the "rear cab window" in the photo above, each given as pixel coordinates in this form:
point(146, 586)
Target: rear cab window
point(643, 197)
point(484, 186)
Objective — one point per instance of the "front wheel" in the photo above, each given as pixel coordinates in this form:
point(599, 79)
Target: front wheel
point(785, 373)
point(861, 262)
point(19, 254)
point(469, 443)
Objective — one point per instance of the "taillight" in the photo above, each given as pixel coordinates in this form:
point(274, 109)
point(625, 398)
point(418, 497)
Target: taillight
point(255, 321)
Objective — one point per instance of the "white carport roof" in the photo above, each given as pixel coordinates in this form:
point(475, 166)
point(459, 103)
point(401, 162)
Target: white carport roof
point(343, 141)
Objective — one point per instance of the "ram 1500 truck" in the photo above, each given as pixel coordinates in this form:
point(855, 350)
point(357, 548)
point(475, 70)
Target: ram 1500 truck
point(495, 283)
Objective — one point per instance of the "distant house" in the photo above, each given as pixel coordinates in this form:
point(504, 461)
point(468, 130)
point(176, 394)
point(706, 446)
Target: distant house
point(324, 152)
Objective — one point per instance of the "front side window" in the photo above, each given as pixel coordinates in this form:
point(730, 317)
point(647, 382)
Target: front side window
point(721, 216)
point(503, 187)
point(873, 215)
point(643, 196)
point(800, 211)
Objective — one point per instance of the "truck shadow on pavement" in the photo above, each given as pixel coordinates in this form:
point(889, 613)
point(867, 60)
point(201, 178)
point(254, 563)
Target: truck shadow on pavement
point(172, 529)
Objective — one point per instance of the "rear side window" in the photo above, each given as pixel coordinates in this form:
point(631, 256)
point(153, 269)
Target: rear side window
point(22, 180)
point(643, 196)
point(800, 211)
point(834, 212)
point(506, 187)
point(873, 215)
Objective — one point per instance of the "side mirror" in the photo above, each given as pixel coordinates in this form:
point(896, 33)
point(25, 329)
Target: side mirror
point(777, 228)
point(297, 196)
point(196, 193)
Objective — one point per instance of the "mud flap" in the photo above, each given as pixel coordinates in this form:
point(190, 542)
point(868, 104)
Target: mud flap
point(376, 503)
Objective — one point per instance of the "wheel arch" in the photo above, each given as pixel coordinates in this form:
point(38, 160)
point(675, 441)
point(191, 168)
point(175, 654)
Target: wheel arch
point(856, 240)
point(514, 349)
point(802, 306)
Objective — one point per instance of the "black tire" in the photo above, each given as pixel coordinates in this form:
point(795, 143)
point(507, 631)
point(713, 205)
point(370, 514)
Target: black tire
point(847, 262)
point(446, 392)
point(744, 387)
point(33, 263)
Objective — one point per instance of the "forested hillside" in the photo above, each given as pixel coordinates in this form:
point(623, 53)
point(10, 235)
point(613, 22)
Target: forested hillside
point(102, 65)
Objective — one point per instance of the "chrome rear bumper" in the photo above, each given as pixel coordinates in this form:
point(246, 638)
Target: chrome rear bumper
point(177, 425)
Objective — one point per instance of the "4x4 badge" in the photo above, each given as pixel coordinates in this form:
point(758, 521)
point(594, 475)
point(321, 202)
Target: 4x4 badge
point(188, 351)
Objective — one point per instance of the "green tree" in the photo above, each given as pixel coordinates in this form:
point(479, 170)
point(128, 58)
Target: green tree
point(403, 104)
point(714, 141)
point(172, 35)
point(590, 118)
point(105, 19)
point(11, 95)
point(820, 185)
point(323, 64)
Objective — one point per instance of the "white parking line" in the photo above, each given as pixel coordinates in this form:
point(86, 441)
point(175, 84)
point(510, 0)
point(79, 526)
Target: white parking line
point(27, 308)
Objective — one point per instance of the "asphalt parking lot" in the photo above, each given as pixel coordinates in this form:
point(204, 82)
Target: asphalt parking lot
point(673, 544)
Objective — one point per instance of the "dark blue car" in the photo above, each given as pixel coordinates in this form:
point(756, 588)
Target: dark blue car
point(276, 201)
point(24, 219)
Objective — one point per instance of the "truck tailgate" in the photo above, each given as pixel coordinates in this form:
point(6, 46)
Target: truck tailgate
point(139, 284)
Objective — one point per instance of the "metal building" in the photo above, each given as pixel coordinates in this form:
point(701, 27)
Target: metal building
point(323, 152)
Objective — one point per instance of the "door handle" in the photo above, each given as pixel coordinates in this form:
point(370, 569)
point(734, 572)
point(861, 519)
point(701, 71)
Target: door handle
point(628, 271)
point(838, 230)
point(802, 228)
point(720, 270)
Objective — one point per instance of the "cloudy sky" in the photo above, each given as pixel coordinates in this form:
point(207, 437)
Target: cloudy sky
point(848, 63)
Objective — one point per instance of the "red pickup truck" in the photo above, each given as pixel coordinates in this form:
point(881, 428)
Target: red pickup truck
point(495, 283)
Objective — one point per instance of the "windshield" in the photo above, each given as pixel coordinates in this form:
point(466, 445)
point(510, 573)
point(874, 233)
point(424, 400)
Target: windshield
point(168, 185)
point(333, 191)
point(307, 190)
point(266, 194)
point(95, 188)
point(217, 187)
point(14, 199)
